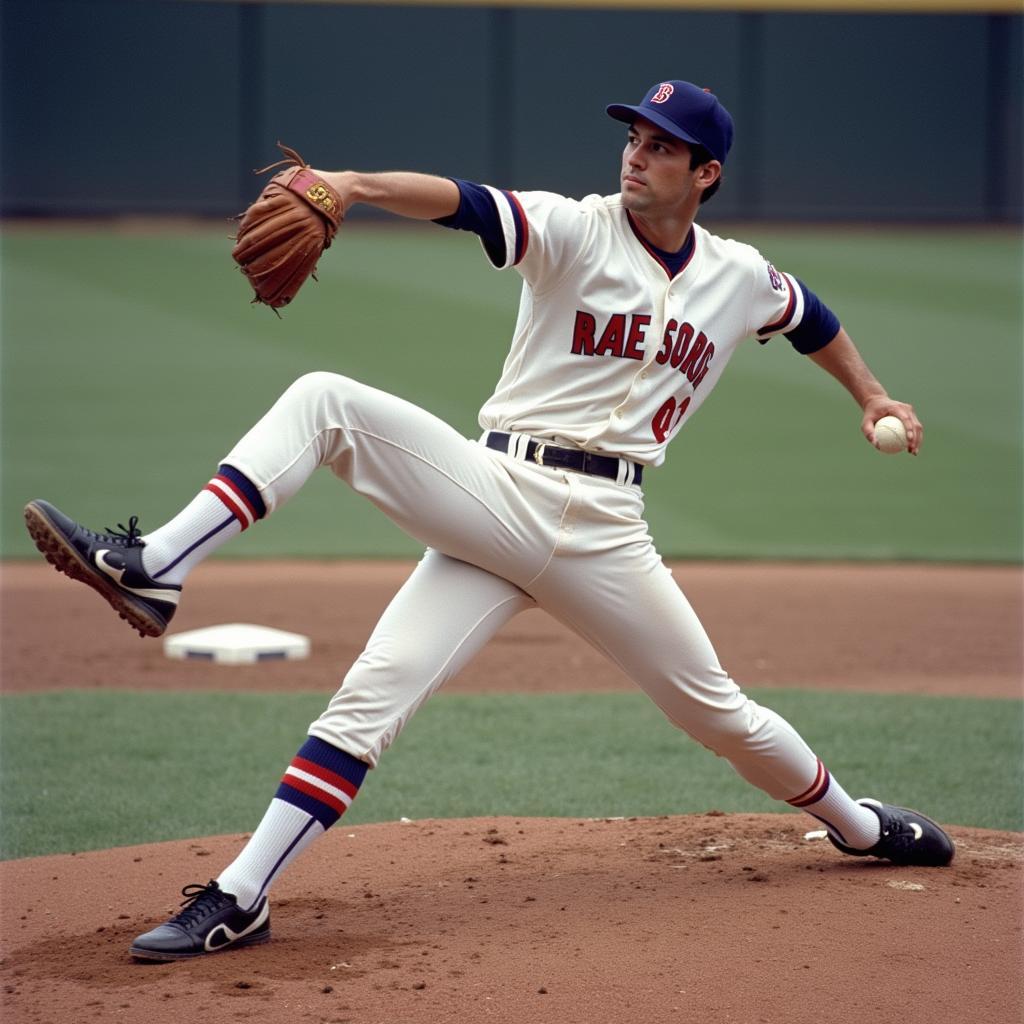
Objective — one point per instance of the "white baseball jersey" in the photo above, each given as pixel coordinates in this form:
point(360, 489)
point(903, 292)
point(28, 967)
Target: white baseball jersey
point(611, 352)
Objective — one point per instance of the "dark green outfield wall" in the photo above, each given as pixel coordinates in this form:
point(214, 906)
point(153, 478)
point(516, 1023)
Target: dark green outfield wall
point(156, 106)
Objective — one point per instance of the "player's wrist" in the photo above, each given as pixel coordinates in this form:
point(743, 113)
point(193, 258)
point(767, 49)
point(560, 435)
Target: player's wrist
point(874, 398)
point(346, 184)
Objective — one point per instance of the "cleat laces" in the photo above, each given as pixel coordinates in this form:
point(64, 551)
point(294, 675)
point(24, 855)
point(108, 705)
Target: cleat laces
point(127, 536)
point(200, 900)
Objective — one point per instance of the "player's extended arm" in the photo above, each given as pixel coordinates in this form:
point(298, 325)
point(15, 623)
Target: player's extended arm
point(841, 359)
point(406, 193)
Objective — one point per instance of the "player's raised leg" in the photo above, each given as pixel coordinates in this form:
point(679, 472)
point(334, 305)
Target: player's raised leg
point(442, 489)
point(443, 615)
point(450, 493)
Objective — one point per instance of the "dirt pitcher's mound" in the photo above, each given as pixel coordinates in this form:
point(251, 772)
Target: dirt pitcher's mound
point(713, 918)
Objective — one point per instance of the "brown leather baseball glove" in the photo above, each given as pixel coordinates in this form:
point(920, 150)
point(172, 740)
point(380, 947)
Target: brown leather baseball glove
point(282, 234)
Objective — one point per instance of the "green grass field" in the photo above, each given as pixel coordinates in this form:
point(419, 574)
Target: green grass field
point(91, 770)
point(132, 362)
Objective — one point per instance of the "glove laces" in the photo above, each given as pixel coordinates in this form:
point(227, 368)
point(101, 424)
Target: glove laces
point(292, 157)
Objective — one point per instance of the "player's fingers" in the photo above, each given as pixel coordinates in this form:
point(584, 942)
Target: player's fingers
point(867, 428)
point(913, 427)
point(915, 438)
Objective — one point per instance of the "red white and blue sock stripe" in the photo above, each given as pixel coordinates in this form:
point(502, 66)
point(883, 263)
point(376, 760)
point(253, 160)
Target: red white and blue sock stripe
point(239, 495)
point(322, 781)
point(229, 503)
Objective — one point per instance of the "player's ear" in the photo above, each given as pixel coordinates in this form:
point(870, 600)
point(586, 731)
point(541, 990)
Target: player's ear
point(708, 173)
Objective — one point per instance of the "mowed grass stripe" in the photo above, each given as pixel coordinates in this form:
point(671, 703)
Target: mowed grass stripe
point(133, 362)
point(86, 770)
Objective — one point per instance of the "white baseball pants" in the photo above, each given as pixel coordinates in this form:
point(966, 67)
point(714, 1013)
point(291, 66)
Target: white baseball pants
point(504, 535)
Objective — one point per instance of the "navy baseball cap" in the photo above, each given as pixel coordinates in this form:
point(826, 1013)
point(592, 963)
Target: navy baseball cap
point(685, 111)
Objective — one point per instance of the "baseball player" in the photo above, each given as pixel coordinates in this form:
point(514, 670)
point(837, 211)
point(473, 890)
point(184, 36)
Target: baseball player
point(629, 313)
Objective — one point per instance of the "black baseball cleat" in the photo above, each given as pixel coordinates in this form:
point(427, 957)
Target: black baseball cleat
point(907, 838)
point(211, 921)
point(110, 563)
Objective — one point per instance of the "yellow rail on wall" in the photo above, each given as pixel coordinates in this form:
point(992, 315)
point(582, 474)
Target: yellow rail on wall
point(767, 6)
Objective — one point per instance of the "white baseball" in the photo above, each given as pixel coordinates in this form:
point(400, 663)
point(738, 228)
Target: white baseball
point(890, 435)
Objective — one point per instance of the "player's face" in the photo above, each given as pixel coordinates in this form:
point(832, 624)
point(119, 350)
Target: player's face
point(656, 179)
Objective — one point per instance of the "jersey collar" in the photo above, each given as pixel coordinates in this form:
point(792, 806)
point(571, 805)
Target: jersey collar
point(667, 261)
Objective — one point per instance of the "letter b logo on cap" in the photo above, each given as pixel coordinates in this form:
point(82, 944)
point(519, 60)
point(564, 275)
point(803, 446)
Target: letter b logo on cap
point(664, 91)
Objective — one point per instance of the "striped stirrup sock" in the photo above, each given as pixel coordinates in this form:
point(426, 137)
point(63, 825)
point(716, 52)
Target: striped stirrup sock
point(322, 781)
point(238, 495)
point(316, 789)
point(851, 823)
point(228, 504)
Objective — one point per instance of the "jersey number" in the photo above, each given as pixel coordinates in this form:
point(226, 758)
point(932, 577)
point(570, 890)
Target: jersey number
point(668, 417)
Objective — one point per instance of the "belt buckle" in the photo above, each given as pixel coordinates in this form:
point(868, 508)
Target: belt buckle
point(538, 454)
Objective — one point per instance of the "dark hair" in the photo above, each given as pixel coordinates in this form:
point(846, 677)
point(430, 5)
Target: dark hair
point(699, 155)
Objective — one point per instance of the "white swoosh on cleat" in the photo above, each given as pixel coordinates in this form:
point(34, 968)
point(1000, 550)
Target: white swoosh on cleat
point(230, 935)
point(108, 570)
point(918, 831)
point(116, 574)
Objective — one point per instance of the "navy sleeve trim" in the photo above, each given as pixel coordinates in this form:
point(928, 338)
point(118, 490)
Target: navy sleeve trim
point(478, 213)
point(818, 326)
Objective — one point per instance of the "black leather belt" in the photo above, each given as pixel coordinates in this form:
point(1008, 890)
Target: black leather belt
point(576, 459)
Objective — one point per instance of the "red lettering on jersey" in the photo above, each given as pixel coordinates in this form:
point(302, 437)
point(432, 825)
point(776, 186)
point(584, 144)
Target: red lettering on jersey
point(696, 349)
point(666, 343)
point(661, 421)
point(614, 336)
point(624, 335)
point(683, 339)
point(583, 334)
point(634, 343)
point(668, 417)
point(700, 368)
point(681, 411)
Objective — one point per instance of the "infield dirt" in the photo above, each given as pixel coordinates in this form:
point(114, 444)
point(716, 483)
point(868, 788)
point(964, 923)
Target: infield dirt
point(718, 918)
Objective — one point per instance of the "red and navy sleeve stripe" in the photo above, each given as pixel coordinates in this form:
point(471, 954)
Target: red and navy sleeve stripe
point(522, 226)
point(807, 322)
point(818, 326)
point(503, 229)
point(784, 321)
